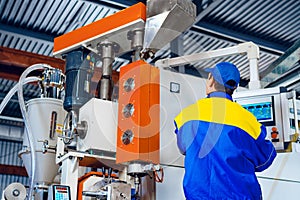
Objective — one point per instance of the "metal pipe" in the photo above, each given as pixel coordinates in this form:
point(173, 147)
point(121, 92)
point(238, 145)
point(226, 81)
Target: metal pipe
point(254, 82)
point(250, 48)
point(105, 88)
point(107, 51)
point(137, 182)
point(295, 113)
point(137, 38)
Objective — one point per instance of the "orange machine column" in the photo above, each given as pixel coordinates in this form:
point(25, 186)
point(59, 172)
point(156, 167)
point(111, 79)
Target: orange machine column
point(138, 115)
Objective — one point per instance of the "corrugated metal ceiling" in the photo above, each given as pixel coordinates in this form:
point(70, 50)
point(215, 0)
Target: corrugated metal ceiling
point(273, 21)
point(31, 25)
point(51, 17)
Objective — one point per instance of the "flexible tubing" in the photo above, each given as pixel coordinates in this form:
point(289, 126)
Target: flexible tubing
point(26, 121)
point(14, 90)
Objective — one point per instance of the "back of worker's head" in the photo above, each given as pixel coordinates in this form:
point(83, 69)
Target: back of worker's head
point(226, 75)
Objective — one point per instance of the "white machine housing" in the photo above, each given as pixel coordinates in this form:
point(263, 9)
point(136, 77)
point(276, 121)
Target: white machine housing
point(102, 120)
point(46, 116)
point(294, 117)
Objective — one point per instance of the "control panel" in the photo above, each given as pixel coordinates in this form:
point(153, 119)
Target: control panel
point(271, 108)
point(59, 192)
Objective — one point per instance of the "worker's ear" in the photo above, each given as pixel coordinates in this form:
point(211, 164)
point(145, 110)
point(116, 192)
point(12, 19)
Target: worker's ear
point(211, 81)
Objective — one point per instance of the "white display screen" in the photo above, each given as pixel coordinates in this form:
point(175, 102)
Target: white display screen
point(61, 192)
point(261, 107)
point(262, 111)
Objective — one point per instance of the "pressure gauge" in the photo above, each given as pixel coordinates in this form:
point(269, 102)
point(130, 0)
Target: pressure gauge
point(128, 110)
point(129, 84)
point(127, 137)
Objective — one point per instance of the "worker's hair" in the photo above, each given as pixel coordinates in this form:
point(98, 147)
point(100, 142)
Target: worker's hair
point(222, 88)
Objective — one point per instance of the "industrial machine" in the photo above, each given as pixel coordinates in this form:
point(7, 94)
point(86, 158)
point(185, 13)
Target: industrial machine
point(95, 144)
point(126, 136)
point(43, 118)
point(272, 107)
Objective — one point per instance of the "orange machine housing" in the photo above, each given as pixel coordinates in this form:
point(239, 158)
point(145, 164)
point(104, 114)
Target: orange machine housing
point(119, 19)
point(144, 119)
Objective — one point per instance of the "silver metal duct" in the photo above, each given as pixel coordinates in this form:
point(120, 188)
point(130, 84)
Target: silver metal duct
point(166, 20)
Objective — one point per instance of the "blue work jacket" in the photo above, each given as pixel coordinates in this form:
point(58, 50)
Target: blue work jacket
point(224, 145)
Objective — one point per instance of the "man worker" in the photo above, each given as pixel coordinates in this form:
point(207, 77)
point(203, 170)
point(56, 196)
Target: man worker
point(223, 143)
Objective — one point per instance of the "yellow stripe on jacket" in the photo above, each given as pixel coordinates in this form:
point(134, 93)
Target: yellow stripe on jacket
point(221, 111)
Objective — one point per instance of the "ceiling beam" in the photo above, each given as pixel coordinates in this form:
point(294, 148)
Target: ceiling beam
point(230, 35)
point(26, 32)
point(117, 4)
point(287, 60)
point(123, 2)
point(203, 10)
point(13, 62)
point(286, 77)
point(13, 170)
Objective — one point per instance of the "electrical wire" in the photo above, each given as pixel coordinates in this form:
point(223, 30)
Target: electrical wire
point(158, 178)
point(14, 90)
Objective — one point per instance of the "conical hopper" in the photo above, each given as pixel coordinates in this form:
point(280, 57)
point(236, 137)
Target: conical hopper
point(46, 117)
point(166, 20)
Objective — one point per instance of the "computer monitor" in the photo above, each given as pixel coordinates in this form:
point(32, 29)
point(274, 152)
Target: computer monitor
point(261, 107)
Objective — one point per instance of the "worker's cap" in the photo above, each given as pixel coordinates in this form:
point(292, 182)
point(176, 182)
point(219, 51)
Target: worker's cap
point(225, 73)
